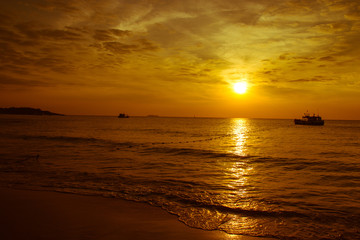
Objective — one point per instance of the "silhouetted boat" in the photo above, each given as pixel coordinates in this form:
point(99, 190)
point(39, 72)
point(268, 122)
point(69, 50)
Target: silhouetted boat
point(307, 119)
point(123, 115)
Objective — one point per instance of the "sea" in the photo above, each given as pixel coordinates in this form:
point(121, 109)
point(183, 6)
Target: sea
point(255, 177)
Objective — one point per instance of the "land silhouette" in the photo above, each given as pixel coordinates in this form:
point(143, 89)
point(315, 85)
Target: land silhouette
point(26, 111)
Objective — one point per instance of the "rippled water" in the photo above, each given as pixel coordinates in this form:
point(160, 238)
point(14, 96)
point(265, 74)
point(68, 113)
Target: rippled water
point(244, 176)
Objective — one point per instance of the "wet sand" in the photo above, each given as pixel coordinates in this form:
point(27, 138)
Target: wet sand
point(49, 215)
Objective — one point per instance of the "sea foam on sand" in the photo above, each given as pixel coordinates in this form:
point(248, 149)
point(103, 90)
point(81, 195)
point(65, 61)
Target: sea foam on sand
point(50, 215)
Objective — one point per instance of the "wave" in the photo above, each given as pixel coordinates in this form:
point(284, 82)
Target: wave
point(75, 139)
point(193, 203)
point(150, 147)
point(189, 200)
point(159, 131)
point(79, 140)
point(58, 138)
point(179, 151)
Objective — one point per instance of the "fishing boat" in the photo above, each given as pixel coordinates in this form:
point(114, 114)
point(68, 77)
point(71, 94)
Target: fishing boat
point(308, 119)
point(123, 115)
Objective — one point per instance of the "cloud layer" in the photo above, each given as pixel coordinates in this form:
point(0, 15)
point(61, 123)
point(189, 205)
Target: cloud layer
point(182, 51)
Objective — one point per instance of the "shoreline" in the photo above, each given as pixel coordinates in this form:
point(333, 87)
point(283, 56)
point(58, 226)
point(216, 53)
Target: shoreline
point(32, 214)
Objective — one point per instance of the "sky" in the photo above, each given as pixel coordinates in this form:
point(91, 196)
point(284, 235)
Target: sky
point(182, 57)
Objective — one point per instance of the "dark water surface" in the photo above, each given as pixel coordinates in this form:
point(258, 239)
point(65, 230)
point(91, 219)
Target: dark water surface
point(243, 176)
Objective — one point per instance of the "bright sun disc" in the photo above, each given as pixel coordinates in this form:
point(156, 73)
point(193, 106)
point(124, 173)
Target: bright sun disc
point(240, 87)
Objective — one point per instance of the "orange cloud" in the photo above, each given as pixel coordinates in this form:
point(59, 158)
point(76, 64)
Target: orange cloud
point(180, 51)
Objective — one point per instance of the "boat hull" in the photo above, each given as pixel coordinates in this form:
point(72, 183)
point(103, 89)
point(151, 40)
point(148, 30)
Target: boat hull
point(311, 123)
point(123, 115)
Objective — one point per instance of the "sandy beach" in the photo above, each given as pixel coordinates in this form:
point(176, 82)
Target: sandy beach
point(50, 215)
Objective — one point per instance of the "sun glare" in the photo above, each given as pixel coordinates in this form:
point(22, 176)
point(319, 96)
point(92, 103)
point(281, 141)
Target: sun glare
point(240, 87)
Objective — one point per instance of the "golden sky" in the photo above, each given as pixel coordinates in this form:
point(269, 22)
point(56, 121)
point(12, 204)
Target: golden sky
point(182, 57)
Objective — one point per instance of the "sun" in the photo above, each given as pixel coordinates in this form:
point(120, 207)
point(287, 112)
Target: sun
point(240, 87)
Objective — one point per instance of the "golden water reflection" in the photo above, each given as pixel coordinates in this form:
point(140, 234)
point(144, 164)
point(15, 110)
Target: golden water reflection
point(240, 130)
point(238, 169)
point(239, 174)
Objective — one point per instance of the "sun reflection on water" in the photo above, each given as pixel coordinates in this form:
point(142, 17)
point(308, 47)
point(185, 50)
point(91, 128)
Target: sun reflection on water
point(239, 180)
point(240, 135)
point(238, 170)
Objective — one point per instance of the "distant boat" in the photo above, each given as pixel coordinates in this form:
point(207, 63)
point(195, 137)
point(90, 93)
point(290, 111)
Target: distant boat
point(123, 115)
point(307, 119)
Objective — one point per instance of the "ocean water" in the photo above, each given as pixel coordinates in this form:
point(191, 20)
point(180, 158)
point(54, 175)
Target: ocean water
point(256, 177)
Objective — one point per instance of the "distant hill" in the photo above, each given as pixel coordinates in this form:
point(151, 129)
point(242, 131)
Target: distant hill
point(26, 111)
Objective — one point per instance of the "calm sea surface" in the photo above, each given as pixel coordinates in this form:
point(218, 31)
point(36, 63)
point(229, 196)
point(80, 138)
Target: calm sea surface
point(244, 176)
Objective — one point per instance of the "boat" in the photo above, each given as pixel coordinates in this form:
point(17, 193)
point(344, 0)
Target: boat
point(308, 119)
point(123, 115)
